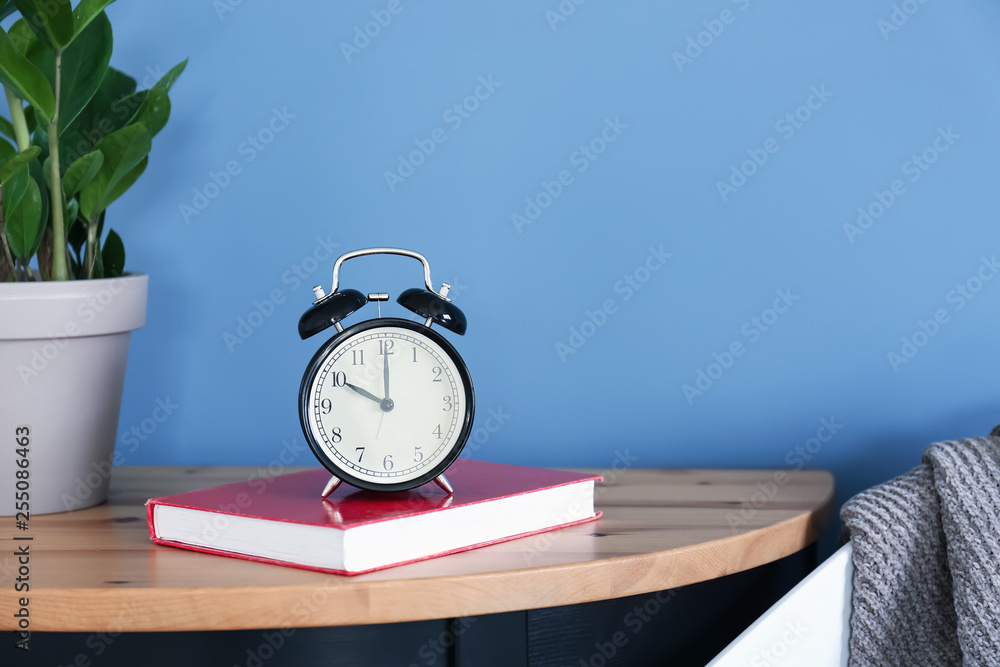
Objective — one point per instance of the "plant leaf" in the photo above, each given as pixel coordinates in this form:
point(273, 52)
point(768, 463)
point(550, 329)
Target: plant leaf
point(113, 255)
point(111, 108)
point(12, 179)
point(21, 76)
point(18, 161)
point(27, 43)
point(35, 169)
point(127, 181)
point(29, 118)
point(13, 162)
point(6, 9)
point(86, 12)
point(41, 139)
point(7, 152)
point(72, 146)
point(6, 128)
point(22, 213)
point(14, 189)
point(116, 84)
point(77, 235)
point(124, 151)
point(25, 40)
point(81, 173)
point(72, 208)
point(167, 81)
point(84, 64)
point(126, 108)
point(53, 23)
point(155, 110)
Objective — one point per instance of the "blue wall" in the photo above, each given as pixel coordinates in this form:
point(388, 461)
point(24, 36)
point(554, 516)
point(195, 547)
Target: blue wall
point(823, 107)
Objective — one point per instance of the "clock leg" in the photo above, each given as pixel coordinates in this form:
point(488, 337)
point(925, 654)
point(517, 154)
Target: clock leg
point(443, 482)
point(332, 485)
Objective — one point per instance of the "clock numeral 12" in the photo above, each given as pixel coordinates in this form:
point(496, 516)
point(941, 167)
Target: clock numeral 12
point(385, 347)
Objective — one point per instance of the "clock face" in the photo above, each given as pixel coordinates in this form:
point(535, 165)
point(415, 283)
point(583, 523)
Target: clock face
point(387, 404)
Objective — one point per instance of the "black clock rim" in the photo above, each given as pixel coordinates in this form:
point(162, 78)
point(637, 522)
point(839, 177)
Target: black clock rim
point(314, 366)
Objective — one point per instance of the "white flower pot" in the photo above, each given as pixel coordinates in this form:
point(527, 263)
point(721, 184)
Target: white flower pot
point(63, 348)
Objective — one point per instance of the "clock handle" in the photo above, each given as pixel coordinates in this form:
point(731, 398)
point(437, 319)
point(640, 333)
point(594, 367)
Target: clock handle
point(433, 305)
point(381, 251)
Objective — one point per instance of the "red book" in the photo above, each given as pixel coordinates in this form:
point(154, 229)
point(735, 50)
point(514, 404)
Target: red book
point(355, 531)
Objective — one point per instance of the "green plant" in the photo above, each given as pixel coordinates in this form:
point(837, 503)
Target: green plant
point(82, 134)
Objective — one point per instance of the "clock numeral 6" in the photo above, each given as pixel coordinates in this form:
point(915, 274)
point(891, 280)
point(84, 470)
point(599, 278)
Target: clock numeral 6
point(447, 404)
point(335, 434)
point(387, 462)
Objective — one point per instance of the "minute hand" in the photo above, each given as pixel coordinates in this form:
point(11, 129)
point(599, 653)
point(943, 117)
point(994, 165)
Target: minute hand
point(366, 394)
point(385, 373)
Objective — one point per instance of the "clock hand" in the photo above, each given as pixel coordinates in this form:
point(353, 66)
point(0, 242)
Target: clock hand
point(366, 394)
point(381, 424)
point(385, 372)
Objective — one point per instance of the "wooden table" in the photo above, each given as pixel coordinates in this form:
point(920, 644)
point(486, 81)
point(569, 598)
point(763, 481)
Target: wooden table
point(95, 570)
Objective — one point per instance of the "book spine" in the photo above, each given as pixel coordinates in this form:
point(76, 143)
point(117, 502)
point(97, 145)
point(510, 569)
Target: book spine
point(150, 505)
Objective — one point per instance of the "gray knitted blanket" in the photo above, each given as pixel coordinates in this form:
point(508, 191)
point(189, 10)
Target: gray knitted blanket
point(927, 561)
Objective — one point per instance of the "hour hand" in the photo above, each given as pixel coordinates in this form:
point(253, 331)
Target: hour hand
point(363, 392)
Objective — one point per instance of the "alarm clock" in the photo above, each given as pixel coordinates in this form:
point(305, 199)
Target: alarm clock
point(386, 404)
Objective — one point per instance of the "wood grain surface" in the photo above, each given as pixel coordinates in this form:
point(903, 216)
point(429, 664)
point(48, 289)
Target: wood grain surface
point(95, 570)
